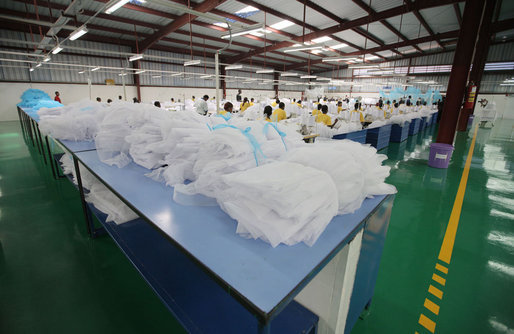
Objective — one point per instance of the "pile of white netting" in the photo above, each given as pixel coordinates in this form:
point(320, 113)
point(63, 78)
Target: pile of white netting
point(277, 187)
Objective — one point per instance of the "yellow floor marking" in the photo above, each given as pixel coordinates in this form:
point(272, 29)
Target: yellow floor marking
point(427, 323)
point(431, 306)
point(435, 291)
point(439, 279)
point(445, 254)
point(441, 268)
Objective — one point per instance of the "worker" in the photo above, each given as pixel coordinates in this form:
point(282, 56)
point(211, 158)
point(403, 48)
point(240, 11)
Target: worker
point(293, 102)
point(238, 96)
point(324, 118)
point(193, 98)
point(339, 106)
point(275, 103)
point(109, 100)
point(201, 105)
point(227, 108)
point(356, 114)
point(172, 100)
point(267, 113)
point(317, 111)
point(251, 102)
point(135, 100)
point(299, 103)
point(396, 110)
point(279, 114)
point(57, 98)
point(98, 99)
point(157, 104)
point(244, 105)
point(120, 98)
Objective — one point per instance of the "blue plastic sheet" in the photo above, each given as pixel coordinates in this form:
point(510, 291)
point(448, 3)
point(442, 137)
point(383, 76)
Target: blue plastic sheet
point(31, 97)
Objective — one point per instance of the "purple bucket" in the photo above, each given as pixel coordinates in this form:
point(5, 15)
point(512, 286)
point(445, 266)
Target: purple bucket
point(440, 155)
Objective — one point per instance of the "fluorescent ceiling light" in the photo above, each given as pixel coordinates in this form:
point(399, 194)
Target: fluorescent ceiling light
point(81, 72)
point(372, 57)
point(505, 84)
point(233, 67)
point(321, 39)
point(38, 64)
point(176, 74)
point(265, 71)
point(156, 76)
point(308, 77)
point(136, 57)
point(139, 72)
point(122, 74)
point(288, 74)
point(247, 9)
point(95, 69)
point(264, 83)
point(326, 60)
point(304, 49)
point(78, 32)
point(47, 58)
point(117, 5)
point(297, 45)
point(339, 46)
point(282, 24)
point(192, 62)
point(31, 69)
point(205, 76)
point(322, 79)
point(56, 49)
point(251, 29)
point(316, 51)
point(363, 66)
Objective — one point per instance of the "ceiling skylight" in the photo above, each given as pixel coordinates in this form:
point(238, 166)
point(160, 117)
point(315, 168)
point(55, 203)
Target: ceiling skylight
point(247, 9)
point(322, 39)
point(282, 24)
point(221, 24)
point(339, 46)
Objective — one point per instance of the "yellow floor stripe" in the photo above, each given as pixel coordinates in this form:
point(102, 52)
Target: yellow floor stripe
point(441, 268)
point(435, 291)
point(439, 279)
point(427, 323)
point(431, 306)
point(445, 254)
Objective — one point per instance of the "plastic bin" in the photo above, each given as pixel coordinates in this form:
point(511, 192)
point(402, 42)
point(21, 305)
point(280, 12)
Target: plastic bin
point(440, 155)
point(414, 126)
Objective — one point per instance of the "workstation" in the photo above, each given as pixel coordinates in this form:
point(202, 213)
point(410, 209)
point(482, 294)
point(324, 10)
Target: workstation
point(251, 192)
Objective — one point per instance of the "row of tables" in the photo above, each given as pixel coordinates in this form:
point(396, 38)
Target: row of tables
point(213, 280)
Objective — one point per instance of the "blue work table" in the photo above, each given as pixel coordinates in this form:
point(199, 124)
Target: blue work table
point(212, 279)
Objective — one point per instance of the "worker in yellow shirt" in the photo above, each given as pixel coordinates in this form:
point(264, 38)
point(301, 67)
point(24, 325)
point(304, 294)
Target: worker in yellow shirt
point(275, 103)
point(279, 114)
point(356, 111)
point(317, 111)
point(267, 113)
point(244, 105)
point(299, 103)
point(251, 102)
point(339, 106)
point(227, 108)
point(324, 118)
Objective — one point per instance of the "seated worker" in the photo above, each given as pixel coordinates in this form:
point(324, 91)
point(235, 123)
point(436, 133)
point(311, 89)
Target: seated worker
point(299, 103)
point(267, 113)
point(356, 111)
point(317, 111)
point(251, 102)
point(324, 118)
point(293, 102)
point(274, 104)
point(227, 108)
point(339, 106)
point(279, 114)
point(396, 110)
point(244, 105)
point(157, 104)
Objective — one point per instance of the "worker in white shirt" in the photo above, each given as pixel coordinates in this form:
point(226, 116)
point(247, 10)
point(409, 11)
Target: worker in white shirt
point(201, 105)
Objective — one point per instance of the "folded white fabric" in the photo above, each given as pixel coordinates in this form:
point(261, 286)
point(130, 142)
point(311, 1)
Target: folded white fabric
point(281, 202)
point(104, 200)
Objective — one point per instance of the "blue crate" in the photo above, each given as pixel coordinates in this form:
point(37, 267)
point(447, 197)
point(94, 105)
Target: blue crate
point(398, 133)
point(414, 126)
point(379, 137)
point(358, 136)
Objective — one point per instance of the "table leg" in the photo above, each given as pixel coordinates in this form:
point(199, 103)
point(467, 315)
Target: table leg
point(21, 125)
point(41, 144)
point(50, 157)
point(28, 125)
point(33, 129)
point(85, 208)
point(264, 328)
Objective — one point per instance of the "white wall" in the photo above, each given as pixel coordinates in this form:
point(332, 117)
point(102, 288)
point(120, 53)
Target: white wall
point(10, 93)
point(504, 105)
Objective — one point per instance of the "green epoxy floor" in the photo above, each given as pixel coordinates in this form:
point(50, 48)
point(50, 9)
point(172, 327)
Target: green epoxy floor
point(54, 279)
